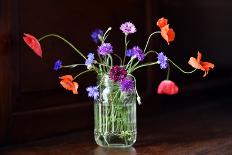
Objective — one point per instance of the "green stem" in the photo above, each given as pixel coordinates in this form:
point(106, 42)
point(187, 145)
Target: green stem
point(150, 52)
point(72, 66)
point(148, 40)
point(129, 63)
point(145, 56)
point(168, 74)
point(118, 58)
point(125, 40)
point(82, 73)
point(66, 41)
point(181, 69)
point(103, 64)
point(111, 60)
point(144, 65)
point(105, 34)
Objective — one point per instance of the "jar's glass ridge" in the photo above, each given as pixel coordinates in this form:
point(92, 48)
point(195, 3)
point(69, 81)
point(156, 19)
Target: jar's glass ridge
point(114, 115)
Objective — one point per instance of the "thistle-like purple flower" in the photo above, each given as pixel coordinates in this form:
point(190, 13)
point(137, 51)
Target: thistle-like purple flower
point(57, 65)
point(128, 28)
point(96, 35)
point(93, 92)
point(117, 73)
point(162, 60)
point(127, 85)
point(136, 52)
point(104, 49)
point(89, 61)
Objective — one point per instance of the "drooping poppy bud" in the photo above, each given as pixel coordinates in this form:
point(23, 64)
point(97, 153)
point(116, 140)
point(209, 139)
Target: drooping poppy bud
point(167, 87)
point(33, 43)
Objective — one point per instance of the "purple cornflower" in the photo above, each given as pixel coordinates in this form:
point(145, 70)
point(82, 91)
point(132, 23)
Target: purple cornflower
point(105, 48)
point(136, 52)
point(96, 35)
point(117, 73)
point(57, 65)
point(127, 85)
point(93, 92)
point(128, 28)
point(162, 60)
point(89, 61)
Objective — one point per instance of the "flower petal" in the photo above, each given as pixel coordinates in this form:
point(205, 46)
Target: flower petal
point(33, 43)
point(195, 64)
point(66, 82)
point(168, 33)
point(162, 22)
point(74, 90)
point(69, 77)
point(207, 66)
point(199, 56)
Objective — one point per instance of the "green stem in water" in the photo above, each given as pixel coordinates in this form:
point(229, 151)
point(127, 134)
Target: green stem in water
point(181, 69)
point(148, 40)
point(138, 97)
point(66, 41)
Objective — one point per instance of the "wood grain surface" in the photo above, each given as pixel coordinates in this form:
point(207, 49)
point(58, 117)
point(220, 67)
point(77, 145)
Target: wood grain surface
point(202, 130)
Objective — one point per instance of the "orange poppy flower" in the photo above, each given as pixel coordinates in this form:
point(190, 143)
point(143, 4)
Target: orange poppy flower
point(162, 22)
point(67, 83)
point(167, 33)
point(33, 43)
point(198, 64)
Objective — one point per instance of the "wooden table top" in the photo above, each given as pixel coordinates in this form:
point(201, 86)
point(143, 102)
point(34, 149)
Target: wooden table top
point(201, 130)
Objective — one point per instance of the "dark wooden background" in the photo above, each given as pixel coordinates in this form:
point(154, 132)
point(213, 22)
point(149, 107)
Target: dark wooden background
point(33, 105)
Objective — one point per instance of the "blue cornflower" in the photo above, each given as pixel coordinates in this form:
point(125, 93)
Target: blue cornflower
point(162, 60)
point(129, 53)
point(136, 52)
point(96, 35)
point(89, 61)
point(57, 65)
point(93, 92)
point(104, 49)
point(128, 28)
point(127, 85)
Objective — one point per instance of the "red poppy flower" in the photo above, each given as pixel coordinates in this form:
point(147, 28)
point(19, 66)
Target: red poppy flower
point(162, 22)
point(167, 33)
point(167, 87)
point(33, 43)
point(198, 64)
point(67, 83)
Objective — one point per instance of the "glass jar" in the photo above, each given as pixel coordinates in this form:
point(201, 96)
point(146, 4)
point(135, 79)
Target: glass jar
point(115, 115)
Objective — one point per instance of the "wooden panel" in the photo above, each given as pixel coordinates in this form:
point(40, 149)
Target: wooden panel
point(33, 104)
point(47, 122)
point(5, 73)
point(71, 20)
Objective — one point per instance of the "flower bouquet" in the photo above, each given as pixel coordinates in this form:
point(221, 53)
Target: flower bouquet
point(115, 94)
